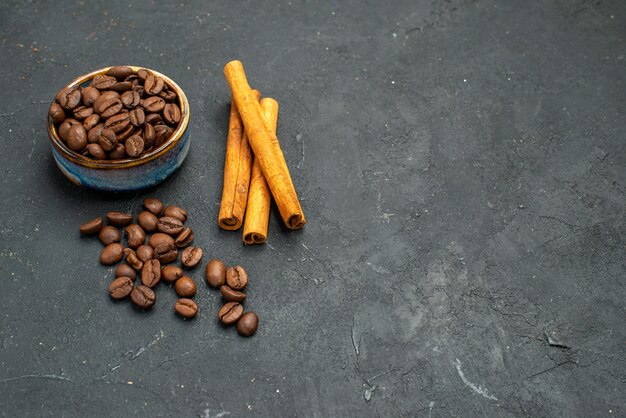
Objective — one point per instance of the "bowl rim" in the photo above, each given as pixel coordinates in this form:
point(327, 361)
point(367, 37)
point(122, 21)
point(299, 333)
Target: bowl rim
point(128, 162)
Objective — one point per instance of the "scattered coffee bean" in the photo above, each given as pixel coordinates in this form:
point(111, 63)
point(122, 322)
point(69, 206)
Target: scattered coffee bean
point(125, 270)
point(160, 238)
point(184, 238)
point(151, 273)
point(109, 234)
point(231, 295)
point(135, 236)
point(145, 252)
point(230, 313)
point(153, 205)
point(170, 274)
point(111, 254)
point(165, 253)
point(175, 212)
point(191, 256)
point(185, 287)
point(121, 287)
point(169, 225)
point(247, 324)
point(215, 273)
point(148, 221)
point(132, 259)
point(92, 227)
point(186, 308)
point(119, 218)
point(143, 297)
point(236, 278)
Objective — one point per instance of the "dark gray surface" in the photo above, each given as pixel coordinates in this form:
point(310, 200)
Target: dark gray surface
point(462, 168)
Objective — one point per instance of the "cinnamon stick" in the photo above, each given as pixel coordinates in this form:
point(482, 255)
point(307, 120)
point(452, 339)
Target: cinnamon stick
point(237, 170)
point(266, 148)
point(259, 196)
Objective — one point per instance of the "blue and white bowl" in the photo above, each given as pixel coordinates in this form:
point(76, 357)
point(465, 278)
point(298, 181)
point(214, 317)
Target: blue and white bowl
point(127, 174)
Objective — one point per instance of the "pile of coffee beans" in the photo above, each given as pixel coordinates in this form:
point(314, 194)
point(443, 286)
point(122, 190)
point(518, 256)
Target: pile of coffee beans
point(150, 262)
point(120, 114)
point(231, 282)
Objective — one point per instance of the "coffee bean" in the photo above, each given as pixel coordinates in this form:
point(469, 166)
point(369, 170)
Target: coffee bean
point(151, 273)
point(162, 134)
point(169, 225)
point(185, 287)
point(135, 236)
point(170, 274)
point(82, 112)
point(107, 139)
point(165, 253)
point(77, 137)
point(64, 128)
point(236, 278)
point(184, 238)
point(230, 313)
point(247, 324)
point(118, 152)
point(175, 212)
point(69, 98)
point(148, 221)
point(186, 308)
point(103, 82)
point(171, 114)
point(130, 99)
point(191, 256)
point(90, 122)
point(153, 205)
point(94, 133)
point(57, 113)
point(154, 119)
point(132, 259)
point(149, 136)
point(119, 218)
point(91, 227)
point(121, 86)
point(96, 151)
point(120, 72)
point(143, 297)
point(153, 104)
point(108, 107)
point(231, 295)
point(109, 234)
point(118, 122)
point(168, 96)
point(145, 252)
point(215, 273)
point(134, 146)
point(89, 95)
point(111, 254)
point(153, 85)
point(143, 74)
point(121, 287)
point(125, 270)
point(125, 134)
point(137, 117)
point(160, 238)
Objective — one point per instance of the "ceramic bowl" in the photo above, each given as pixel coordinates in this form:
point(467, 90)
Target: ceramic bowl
point(127, 174)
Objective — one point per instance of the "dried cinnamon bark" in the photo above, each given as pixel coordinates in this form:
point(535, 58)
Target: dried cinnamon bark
point(259, 196)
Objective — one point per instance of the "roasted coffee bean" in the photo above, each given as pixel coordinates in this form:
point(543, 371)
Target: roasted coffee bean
point(236, 278)
point(103, 82)
point(111, 254)
point(109, 234)
point(90, 122)
point(149, 136)
point(148, 221)
point(134, 146)
point(231, 295)
point(159, 238)
point(108, 107)
point(154, 119)
point(118, 152)
point(247, 324)
point(94, 133)
point(165, 253)
point(215, 273)
point(162, 134)
point(125, 270)
point(171, 114)
point(92, 227)
point(135, 235)
point(64, 128)
point(153, 104)
point(137, 117)
point(69, 98)
point(82, 112)
point(169, 225)
point(151, 273)
point(121, 86)
point(57, 113)
point(153, 85)
point(186, 308)
point(121, 287)
point(107, 139)
point(185, 287)
point(145, 252)
point(96, 151)
point(143, 74)
point(191, 256)
point(168, 95)
point(89, 95)
point(119, 218)
point(118, 122)
point(120, 72)
point(125, 134)
point(132, 259)
point(230, 313)
point(184, 238)
point(176, 212)
point(143, 297)
point(170, 274)
point(77, 137)
point(130, 99)
point(153, 205)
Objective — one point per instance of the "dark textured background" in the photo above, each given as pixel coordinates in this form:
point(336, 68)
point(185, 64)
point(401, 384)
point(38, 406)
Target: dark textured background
point(462, 168)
